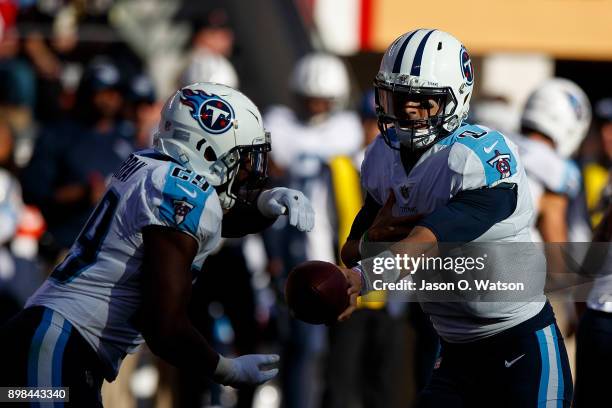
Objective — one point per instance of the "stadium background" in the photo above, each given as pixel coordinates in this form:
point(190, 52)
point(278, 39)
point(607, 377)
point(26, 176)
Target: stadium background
point(47, 45)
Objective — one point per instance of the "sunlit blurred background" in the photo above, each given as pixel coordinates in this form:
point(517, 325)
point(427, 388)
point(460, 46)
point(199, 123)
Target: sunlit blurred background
point(81, 86)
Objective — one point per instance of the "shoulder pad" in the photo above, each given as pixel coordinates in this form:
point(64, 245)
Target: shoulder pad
point(184, 196)
point(488, 147)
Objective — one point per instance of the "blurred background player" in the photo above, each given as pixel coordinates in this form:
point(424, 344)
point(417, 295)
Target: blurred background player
point(203, 65)
point(596, 166)
point(554, 122)
point(594, 333)
point(310, 138)
point(594, 336)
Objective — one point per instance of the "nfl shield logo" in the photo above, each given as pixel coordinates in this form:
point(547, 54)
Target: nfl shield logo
point(181, 209)
point(405, 191)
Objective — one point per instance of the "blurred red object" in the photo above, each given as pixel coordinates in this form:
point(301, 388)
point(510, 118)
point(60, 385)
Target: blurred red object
point(8, 15)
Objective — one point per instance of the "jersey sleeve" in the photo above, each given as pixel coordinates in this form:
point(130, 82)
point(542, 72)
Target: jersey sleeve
point(180, 199)
point(471, 213)
point(482, 158)
point(373, 168)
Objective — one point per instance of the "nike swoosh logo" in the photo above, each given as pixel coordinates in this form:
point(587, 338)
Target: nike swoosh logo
point(190, 193)
point(488, 150)
point(509, 363)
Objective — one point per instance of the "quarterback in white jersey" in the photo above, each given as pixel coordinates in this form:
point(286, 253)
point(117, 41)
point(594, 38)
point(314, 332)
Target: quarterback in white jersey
point(432, 178)
point(127, 278)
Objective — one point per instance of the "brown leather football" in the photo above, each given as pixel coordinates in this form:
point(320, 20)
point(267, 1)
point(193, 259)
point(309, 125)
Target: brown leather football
point(316, 292)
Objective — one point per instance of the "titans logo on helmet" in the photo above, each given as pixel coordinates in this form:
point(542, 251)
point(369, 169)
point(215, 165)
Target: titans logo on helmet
point(212, 113)
point(466, 66)
point(575, 104)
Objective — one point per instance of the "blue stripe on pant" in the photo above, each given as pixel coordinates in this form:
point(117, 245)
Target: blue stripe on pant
point(47, 351)
point(550, 393)
point(524, 367)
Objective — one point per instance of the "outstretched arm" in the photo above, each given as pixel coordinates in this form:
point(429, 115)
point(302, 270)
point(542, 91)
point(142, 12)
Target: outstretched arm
point(464, 218)
point(246, 219)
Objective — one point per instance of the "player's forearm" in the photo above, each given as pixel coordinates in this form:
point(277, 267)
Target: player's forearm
point(350, 254)
point(243, 220)
point(182, 346)
point(552, 222)
point(553, 228)
point(420, 241)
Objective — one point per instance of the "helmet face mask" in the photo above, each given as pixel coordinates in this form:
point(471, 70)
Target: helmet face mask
point(247, 170)
point(423, 89)
point(217, 132)
point(418, 114)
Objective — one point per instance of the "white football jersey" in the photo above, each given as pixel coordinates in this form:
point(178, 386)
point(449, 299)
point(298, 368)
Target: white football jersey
point(471, 158)
point(97, 286)
point(339, 134)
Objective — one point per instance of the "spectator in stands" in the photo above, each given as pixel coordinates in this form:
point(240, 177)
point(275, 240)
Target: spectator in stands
point(214, 33)
point(142, 110)
point(73, 158)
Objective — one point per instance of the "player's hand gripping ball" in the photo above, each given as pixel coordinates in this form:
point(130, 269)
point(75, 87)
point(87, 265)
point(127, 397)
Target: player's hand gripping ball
point(317, 292)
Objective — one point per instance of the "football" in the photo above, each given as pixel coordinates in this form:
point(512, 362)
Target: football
point(316, 292)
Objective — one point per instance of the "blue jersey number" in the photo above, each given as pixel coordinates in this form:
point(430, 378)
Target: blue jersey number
point(86, 248)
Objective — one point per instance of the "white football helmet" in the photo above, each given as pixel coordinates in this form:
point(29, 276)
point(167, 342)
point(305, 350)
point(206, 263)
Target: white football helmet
point(204, 66)
point(560, 110)
point(216, 131)
point(420, 66)
point(321, 75)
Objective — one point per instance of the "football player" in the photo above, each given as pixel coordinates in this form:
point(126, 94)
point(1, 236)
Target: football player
point(554, 122)
point(127, 278)
point(594, 335)
point(468, 184)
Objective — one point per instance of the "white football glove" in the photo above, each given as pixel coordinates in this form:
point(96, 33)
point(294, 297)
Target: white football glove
point(293, 203)
point(247, 370)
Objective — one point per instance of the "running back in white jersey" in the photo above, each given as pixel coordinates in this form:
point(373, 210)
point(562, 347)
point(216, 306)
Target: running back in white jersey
point(97, 286)
point(471, 158)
